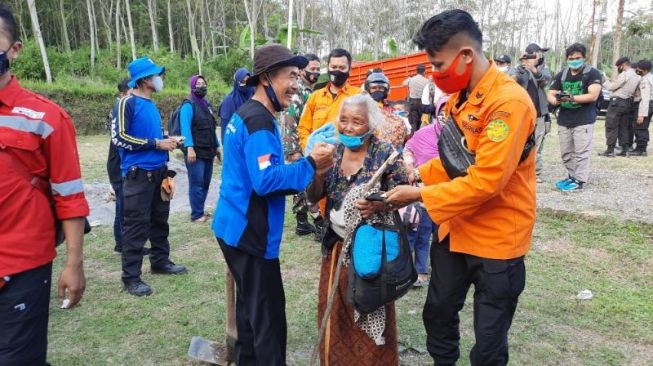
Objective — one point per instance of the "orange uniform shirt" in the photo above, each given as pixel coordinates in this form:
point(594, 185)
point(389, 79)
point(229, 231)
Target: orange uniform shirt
point(322, 107)
point(490, 212)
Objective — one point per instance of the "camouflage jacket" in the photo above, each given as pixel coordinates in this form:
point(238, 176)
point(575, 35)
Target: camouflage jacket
point(290, 118)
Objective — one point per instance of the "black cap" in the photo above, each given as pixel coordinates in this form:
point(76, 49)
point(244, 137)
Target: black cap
point(534, 47)
point(621, 61)
point(271, 57)
point(503, 59)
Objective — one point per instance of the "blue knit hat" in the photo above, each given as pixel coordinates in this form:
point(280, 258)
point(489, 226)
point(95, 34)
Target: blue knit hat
point(142, 68)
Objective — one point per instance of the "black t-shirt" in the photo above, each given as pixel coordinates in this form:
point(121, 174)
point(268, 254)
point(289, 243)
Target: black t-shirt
point(573, 114)
point(113, 161)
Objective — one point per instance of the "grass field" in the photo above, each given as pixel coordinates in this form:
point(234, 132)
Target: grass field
point(612, 258)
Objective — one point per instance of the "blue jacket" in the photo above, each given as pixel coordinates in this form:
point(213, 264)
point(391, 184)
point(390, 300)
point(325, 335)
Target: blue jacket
point(134, 129)
point(255, 181)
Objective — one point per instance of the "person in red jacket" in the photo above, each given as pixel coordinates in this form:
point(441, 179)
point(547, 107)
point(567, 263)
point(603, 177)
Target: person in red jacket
point(41, 177)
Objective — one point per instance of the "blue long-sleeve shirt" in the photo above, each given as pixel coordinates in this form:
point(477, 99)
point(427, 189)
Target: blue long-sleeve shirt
point(135, 127)
point(186, 120)
point(255, 179)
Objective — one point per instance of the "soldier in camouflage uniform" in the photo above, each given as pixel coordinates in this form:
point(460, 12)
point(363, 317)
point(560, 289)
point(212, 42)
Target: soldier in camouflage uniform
point(292, 149)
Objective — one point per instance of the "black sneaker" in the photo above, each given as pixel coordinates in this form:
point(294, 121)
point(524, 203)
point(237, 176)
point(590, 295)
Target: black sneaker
point(138, 288)
point(608, 153)
point(319, 229)
point(169, 269)
point(639, 153)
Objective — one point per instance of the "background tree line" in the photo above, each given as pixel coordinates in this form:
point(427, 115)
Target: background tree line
point(93, 40)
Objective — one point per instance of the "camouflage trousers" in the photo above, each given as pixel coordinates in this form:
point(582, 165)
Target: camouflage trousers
point(302, 207)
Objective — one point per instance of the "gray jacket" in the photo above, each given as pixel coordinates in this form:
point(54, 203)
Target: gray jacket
point(542, 79)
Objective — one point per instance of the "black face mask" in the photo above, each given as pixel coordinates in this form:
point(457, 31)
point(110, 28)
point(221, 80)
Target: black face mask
point(379, 95)
point(4, 63)
point(272, 96)
point(338, 78)
point(620, 70)
point(200, 91)
point(540, 62)
point(639, 72)
point(311, 77)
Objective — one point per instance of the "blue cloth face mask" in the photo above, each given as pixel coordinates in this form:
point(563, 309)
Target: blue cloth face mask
point(401, 113)
point(354, 142)
point(575, 64)
point(272, 96)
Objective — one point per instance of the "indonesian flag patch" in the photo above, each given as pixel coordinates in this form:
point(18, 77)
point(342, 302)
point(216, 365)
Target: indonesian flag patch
point(264, 161)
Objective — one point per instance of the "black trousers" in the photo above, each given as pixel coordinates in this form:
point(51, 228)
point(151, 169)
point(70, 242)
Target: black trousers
point(24, 302)
point(260, 308)
point(641, 131)
point(415, 113)
point(145, 217)
point(619, 123)
point(497, 286)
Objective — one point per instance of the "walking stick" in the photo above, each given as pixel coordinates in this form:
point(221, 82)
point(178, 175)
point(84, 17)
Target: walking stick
point(341, 258)
point(214, 352)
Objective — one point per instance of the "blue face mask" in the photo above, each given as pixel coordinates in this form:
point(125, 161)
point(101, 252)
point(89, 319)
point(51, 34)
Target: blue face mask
point(272, 96)
point(354, 142)
point(4, 63)
point(401, 113)
point(575, 64)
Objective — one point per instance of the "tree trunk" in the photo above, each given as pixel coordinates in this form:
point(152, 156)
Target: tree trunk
point(91, 31)
point(131, 30)
point(193, 39)
point(64, 28)
point(151, 8)
point(36, 27)
point(171, 34)
point(599, 33)
point(118, 46)
point(616, 36)
point(107, 26)
point(94, 21)
point(252, 17)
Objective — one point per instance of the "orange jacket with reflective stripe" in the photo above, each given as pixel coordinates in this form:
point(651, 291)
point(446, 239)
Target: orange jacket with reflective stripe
point(490, 212)
point(321, 107)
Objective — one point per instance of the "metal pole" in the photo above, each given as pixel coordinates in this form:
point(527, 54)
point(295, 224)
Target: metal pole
point(290, 6)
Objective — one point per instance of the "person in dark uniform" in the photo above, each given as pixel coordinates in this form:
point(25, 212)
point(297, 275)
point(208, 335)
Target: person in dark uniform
point(113, 170)
point(136, 131)
point(198, 126)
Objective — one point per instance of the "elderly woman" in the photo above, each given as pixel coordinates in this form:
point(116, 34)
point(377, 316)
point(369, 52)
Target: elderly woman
point(358, 156)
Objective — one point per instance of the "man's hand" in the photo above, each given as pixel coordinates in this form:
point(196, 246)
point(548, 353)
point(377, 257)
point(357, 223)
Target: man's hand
point(166, 144)
point(192, 156)
point(322, 154)
point(401, 196)
point(640, 120)
point(368, 208)
point(72, 281)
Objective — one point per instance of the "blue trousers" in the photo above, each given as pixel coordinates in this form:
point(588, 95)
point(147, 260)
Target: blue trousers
point(199, 180)
point(419, 241)
point(117, 221)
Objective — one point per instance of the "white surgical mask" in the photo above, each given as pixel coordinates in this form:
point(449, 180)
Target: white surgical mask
point(503, 69)
point(157, 83)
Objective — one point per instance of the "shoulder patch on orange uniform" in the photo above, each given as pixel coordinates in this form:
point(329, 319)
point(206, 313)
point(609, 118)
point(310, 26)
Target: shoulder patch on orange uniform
point(497, 130)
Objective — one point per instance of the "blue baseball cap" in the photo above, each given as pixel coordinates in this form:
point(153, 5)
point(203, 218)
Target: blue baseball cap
point(142, 68)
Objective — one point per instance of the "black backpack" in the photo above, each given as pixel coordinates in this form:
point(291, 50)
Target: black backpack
point(393, 279)
point(174, 123)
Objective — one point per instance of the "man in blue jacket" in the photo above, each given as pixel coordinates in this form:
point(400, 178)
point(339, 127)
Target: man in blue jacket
point(136, 131)
point(250, 213)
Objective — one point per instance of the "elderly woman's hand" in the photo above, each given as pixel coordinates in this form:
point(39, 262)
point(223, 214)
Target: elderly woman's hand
point(368, 208)
point(401, 196)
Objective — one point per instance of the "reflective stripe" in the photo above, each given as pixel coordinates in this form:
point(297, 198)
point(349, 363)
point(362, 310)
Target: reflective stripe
point(121, 124)
point(23, 124)
point(68, 188)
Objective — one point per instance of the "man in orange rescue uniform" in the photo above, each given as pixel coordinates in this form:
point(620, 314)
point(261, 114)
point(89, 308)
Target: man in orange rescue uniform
point(486, 217)
point(324, 104)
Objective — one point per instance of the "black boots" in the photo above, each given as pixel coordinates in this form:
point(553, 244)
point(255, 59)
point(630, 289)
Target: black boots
point(303, 226)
